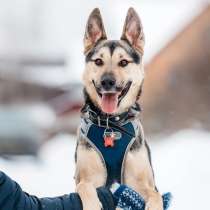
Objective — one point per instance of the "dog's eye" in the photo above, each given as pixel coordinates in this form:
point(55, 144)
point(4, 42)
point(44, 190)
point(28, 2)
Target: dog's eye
point(99, 62)
point(123, 63)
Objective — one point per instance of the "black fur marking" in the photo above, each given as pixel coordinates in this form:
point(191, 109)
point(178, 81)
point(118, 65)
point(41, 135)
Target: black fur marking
point(149, 152)
point(89, 103)
point(132, 52)
point(137, 144)
point(87, 145)
point(93, 51)
point(150, 160)
point(139, 91)
point(83, 143)
point(112, 45)
point(75, 154)
point(89, 55)
point(135, 56)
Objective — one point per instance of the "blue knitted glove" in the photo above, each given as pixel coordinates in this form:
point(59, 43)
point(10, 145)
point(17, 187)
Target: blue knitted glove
point(128, 199)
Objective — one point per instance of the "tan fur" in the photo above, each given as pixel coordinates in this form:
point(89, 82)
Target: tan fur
point(88, 196)
point(94, 172)
point(90, 174)
point(90, 171)
point(140, 177)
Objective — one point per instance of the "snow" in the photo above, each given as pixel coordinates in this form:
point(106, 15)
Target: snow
point(181, 166)
point(49, 175)
point(180, 163)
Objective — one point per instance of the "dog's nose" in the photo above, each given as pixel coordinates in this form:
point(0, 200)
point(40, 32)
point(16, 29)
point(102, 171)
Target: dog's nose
point(108, 81)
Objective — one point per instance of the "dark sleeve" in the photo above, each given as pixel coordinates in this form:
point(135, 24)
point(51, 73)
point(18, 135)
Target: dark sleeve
point(13, 198)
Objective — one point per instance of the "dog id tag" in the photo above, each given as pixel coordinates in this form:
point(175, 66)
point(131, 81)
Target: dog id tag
point(109, 138)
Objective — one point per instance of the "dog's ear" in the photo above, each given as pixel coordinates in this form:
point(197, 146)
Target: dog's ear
point(94, 30)
point(133, 31)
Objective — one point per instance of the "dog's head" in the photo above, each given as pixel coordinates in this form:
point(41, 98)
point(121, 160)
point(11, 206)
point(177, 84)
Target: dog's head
point(114, 71)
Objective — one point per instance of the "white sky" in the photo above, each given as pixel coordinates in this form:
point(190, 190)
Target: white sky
point(52, 27)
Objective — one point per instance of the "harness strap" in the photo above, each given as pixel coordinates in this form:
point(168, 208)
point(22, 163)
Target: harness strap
point(112, 157)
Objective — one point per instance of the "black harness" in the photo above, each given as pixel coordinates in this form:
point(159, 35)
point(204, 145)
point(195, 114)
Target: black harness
point(111, 137)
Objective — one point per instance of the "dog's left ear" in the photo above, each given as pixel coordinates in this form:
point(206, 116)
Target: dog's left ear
point(94, 30)
point(133, 31)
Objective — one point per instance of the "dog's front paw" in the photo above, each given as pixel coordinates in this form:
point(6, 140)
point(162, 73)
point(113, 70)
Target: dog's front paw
point(88, 195)
point(154, 204)
point(93, 206)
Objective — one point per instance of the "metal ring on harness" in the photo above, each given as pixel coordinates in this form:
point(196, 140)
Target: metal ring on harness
point(99, 121)
point(107, 122)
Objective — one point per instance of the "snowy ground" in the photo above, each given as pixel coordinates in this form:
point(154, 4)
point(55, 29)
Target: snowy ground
point(180, 163)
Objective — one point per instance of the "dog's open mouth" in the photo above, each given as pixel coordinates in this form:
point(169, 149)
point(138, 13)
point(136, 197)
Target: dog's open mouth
point(110, 100)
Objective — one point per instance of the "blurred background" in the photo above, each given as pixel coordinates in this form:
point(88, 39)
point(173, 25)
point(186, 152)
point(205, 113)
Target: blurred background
point(41, 62)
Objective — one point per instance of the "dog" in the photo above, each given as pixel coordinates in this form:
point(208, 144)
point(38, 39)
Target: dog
point(111, 146)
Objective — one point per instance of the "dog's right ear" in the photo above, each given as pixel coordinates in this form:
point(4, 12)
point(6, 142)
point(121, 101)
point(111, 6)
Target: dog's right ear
point(94, 30)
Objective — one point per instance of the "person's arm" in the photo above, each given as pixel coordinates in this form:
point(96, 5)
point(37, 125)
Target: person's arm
point(13, 198)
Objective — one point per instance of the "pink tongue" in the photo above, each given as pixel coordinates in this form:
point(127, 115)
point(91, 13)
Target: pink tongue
point(109, 103)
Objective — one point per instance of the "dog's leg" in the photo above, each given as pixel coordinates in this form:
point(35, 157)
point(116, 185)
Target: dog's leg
point(88, 196)
point(139, 176)
point(90, 174)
